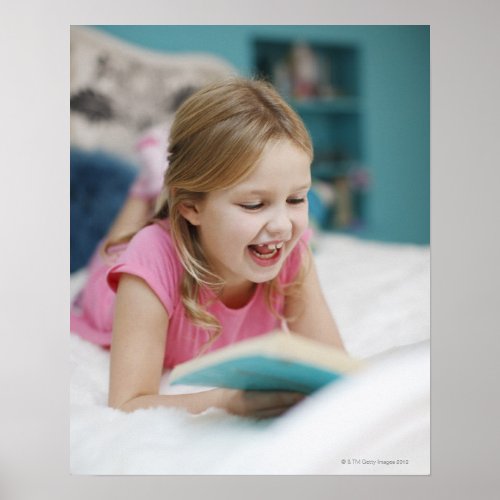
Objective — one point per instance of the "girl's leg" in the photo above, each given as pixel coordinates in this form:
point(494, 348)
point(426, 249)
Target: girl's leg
point(139, 206)
point(93, 308)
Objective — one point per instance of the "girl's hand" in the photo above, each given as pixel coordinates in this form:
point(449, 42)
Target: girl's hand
point(258, 404)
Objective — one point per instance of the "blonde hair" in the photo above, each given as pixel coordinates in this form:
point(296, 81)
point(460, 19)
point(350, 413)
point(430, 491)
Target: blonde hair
point(216, 140)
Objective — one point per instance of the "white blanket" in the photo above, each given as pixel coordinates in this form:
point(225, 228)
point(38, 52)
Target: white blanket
point(378, 422)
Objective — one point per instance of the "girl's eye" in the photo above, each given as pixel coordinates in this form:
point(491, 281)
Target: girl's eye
point(252, 206)
point(257, 206)
point(296, 201)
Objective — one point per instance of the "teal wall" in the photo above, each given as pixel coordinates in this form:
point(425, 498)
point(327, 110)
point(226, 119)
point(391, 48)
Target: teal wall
point(395, 94)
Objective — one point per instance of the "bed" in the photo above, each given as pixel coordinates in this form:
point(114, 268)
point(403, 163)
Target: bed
point(376, 422)
point(380, 296)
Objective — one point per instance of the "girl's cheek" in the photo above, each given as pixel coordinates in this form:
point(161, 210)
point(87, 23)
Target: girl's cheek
point(252, 219)
point(302, 219)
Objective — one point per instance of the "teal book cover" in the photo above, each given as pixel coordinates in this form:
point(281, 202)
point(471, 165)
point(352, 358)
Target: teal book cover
point(261, 373)
point(276, 361)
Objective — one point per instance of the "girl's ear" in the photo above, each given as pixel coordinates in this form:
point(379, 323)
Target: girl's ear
point(189, 210)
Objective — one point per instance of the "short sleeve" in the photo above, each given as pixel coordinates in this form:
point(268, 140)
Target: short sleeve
point(151, 256)
point(294, 260)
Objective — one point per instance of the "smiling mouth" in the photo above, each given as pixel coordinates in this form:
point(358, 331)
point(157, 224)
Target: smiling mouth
point(266, 251)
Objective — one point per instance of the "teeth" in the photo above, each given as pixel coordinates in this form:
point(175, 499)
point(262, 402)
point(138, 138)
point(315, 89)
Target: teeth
point(274, 246)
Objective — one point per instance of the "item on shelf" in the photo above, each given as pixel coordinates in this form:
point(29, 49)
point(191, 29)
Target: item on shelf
point(326, 89)
point(305, 71)
point(343, 215)
point(359, 179)
point(331, 164)
point(321, 202)
point(281, 78)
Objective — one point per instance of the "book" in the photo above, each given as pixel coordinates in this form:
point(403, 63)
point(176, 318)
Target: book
point(276, 361)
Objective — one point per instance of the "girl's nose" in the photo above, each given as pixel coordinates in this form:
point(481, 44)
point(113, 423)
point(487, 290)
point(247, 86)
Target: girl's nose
point(280, 225)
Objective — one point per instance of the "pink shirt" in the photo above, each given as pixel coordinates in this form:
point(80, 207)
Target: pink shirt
point(151, 255)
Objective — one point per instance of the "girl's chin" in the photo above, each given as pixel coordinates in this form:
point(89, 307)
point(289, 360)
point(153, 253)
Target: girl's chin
point(264, 278)
point(263, 273)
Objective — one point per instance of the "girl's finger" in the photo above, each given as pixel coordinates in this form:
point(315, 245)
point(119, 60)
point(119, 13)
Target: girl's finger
point(270, 399)
point(271, 412)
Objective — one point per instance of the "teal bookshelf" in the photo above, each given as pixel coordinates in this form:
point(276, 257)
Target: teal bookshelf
point(321, 81)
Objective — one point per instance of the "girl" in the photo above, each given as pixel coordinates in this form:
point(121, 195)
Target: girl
point(224, 257)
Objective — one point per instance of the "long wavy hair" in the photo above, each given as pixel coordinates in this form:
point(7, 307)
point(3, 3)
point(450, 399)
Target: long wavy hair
point(216, 140)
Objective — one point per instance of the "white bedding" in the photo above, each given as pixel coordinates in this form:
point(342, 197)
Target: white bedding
point(380, 295)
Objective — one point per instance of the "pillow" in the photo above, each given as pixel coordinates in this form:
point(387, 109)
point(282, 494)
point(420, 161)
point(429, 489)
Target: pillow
point(98, 188)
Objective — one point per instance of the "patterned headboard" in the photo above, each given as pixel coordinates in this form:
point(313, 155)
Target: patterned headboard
point(118, 90)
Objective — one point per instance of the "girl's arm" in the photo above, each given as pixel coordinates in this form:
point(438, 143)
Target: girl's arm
point(314, 319)
point(138, 342)
point(137, 353)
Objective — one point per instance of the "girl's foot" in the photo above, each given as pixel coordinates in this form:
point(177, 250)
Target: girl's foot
point(152, 154)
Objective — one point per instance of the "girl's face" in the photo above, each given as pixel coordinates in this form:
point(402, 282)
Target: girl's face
point(248, 230)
